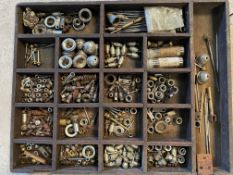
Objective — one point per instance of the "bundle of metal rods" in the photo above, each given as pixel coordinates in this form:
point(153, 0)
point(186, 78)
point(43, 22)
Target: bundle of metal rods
point(126, 21)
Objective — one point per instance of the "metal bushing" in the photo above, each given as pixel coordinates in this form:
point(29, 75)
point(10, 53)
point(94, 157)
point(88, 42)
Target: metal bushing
point(78, 25)
point(110, 79)
point(70, 131)
point(85, 15)
point(133, 111)
point(88, 152)
point(83, 122)
point(158, 147)
point(150, 148)
point(150, 96)
point(158, 115)
point(50, 22)
point(80, 60)
point(128, 98)
point(39, 29)
point(163, 88)
point(65, 62)
point(127, 122)
point(170, 82)
point(86, 98)
point(150, 83)
point(68, 45)
point(167, 148)
point(180, 159)
point(119, 131)
point(162, 80)
point(178, 120)
point(92, 61)
point(90, 48)
point(182, 151)
point(161, 127)
point(150, 130)
point(175, 90)
point(159, 95)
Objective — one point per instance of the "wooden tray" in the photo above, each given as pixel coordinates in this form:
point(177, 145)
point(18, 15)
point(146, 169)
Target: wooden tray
point(199, 16)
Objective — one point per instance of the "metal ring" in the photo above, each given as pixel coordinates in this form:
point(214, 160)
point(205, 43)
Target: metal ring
point(150, 96)
point(86, 98)
point(178, 120)
point(68, 44)
point(158, 147)
point(50, 109)
point(110, 79)
point(182, 151)
point(78, 25)
point(150, 130)
point(167, 148)
point(50, 22)
point(80, 60)
point(180, 159)
point(127, 122)
point(159, 95)
point(161, 127)
point(128, 98)
point(170, 82)
point(85, 15)
point(67, 131)
point(65, 62)
point(158, 115)
point(133, 111)
point(119, 131)
point(88, 148)
point(83, 122)
point(150, 83)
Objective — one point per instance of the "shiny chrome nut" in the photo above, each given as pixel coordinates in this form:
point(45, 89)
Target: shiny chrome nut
point(69, 45)
point(65, 62)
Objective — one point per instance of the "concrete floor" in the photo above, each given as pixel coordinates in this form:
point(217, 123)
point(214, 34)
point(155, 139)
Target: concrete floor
point(7, 13)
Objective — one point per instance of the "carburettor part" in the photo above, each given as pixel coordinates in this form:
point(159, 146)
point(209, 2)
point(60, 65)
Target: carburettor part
point(56, 22)
point(120, 122)
point(37, 89)
point(35, 154)
point(78, 122)
point(160, 88)
point(80, 88)
point(117, 52)
point(86, 56)
point(37, 122)
point(166, 156)
point(161, 121)
point(78, 155)
point(121, 88)
point(164, 55)
point(125, 156)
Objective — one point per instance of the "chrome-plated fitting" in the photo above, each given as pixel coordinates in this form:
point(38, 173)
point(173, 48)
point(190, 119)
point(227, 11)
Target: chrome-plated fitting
point(68, 44)
point(65, 62)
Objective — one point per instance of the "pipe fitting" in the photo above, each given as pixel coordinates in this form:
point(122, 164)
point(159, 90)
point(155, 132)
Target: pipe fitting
point(69, 45)
point(65, 62)
point(80, 60)
point(85, 15)
point(78, 25)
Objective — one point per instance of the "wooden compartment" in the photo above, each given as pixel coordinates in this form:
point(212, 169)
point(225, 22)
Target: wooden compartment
point(133, 130)
point(91, 130)
point(46, 48)
point(200, 16)
point(18, 121)
point(174, 132)
point(92, 27)
point(128, 61)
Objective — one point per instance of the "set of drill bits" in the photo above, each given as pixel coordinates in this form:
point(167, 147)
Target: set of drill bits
point(126, 21)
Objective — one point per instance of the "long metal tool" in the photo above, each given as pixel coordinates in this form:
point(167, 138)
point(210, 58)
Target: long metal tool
point(206, 124)
point(208, 44)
